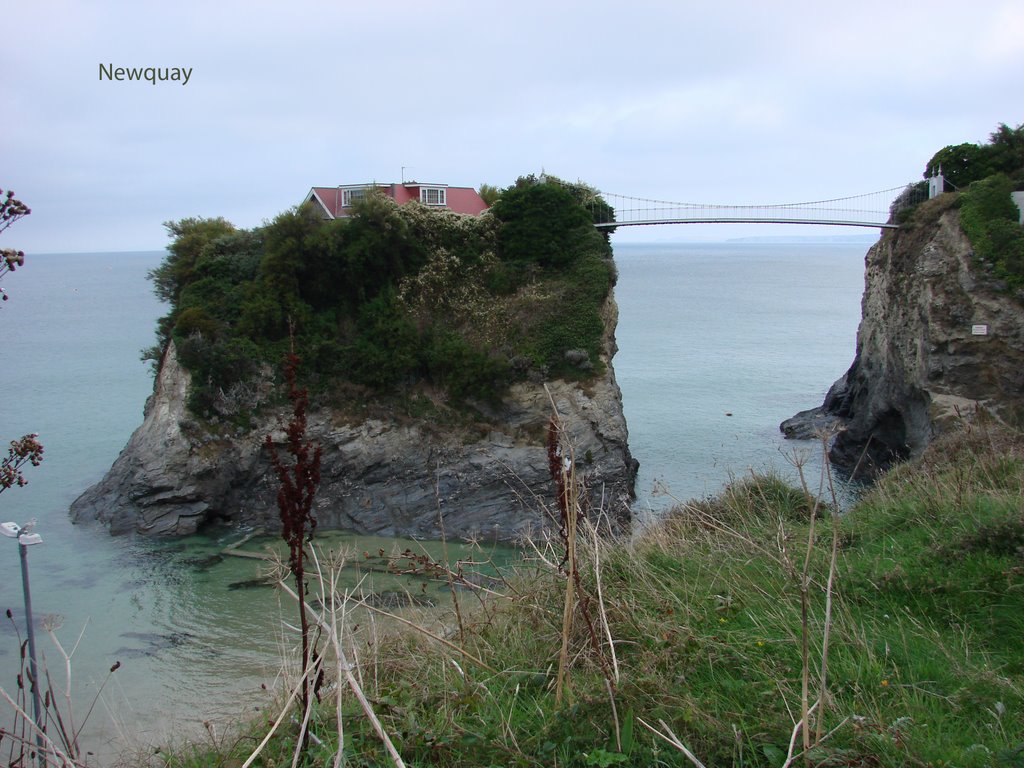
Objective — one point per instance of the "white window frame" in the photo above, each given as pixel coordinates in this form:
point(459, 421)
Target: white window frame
point(439, 195)
point(348, 196)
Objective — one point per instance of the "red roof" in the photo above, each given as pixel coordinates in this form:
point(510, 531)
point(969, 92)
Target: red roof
point(466, 200)
point(457, 199)
point(329, 199)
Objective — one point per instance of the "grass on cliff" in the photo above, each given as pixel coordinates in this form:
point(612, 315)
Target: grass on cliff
point(711, 627)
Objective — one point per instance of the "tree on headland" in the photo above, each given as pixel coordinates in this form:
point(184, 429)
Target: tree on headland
point(192, 238)
point(489, 193)
point(1006, 147)
point(962, 164)
point(27, 449)
point(541, 222)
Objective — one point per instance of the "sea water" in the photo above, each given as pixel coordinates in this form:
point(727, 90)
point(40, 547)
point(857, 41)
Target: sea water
point(718, 343)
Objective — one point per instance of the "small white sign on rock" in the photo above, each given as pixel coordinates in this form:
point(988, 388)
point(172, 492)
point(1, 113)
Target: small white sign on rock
point(979, 330)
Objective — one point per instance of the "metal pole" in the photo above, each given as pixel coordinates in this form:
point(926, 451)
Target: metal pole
point(33, 666)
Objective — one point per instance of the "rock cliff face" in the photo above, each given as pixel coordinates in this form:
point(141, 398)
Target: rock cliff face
point(937, 336)
point(380, 476)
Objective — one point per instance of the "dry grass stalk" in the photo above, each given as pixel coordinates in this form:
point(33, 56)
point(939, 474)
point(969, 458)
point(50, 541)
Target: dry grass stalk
point(73, 745)
point(54, 741)
point(615, 715)
point(671, 738)
point(448, 571)
point(563, 472)
point(790, 757)
point(50, 748)
point(805, 671)
point(829, 589)
point(329, 600)
point(335, 635)
point(600, 600)
point(570, 496)
point(814, 501)
point(570, 584)
point(804, 584)
point(296, 690)
point(346, 669)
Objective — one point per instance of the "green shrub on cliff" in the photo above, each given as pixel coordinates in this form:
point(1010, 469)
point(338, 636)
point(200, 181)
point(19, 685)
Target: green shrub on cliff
point(990, 218)
point(192, 238)
point(542, 224)
point(986, 175)
point(390, 298)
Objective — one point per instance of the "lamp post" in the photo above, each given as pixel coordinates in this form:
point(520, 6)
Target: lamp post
point(26, 539)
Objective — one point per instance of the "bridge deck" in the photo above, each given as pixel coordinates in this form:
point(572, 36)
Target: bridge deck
point(874, 210)
point(745, 220)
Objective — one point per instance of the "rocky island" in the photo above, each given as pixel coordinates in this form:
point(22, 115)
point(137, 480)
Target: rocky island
point(434, 347)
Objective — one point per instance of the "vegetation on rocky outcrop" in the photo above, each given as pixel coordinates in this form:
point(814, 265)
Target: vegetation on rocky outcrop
point(963, 164)
point(985, 175)
point(389, 299)
point(991, 221)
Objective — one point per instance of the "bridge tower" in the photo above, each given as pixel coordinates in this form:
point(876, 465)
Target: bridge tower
point(936, 184)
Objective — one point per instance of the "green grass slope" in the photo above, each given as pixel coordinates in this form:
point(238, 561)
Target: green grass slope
point(898, 627)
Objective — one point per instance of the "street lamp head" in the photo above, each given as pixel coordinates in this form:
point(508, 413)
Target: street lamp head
point(21, 533)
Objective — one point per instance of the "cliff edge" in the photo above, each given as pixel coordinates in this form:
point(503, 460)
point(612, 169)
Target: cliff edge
point(938, 336)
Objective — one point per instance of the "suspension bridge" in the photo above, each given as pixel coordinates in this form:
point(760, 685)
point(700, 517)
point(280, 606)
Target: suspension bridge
point(873, 209)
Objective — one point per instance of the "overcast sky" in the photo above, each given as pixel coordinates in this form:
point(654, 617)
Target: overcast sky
point(725, 102)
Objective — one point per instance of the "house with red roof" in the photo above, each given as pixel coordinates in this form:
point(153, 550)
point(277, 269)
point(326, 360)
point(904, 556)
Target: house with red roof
point(335, 202)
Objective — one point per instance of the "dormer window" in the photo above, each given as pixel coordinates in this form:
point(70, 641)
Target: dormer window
point(349, 196)
point(432, 196)
point(342, 201)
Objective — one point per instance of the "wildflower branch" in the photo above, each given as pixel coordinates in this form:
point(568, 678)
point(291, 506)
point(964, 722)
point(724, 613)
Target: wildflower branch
point(25, 450)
